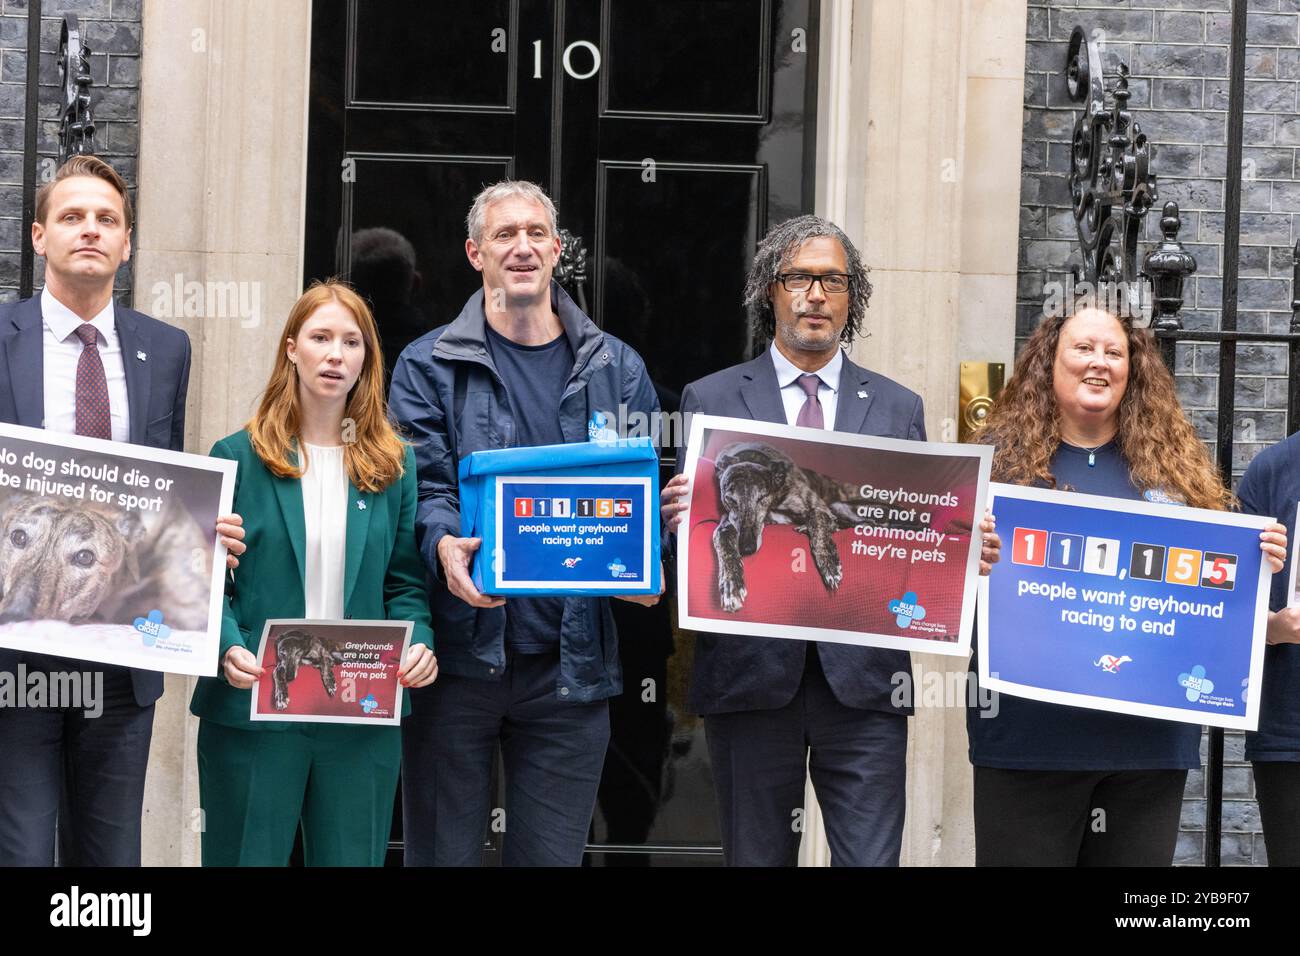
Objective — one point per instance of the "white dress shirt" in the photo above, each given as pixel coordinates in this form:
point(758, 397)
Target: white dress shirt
point(325, 515)
point(62, 352)
point(792, 394)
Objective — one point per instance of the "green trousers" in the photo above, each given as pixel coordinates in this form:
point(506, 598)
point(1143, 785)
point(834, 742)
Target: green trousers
point(336, 780)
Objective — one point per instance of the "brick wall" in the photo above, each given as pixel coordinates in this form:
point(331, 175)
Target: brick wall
point(112, 30)
point(1177, 51)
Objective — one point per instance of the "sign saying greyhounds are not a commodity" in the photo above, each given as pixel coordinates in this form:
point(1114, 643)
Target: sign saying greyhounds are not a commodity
point(341, 672)
point(109, 551)
point(826, 536)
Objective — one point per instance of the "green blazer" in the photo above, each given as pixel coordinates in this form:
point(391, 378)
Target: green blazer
point(383, 573)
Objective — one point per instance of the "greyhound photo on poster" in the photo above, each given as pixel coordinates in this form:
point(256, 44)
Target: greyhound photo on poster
point(332, 672)
point(816, 535)
point(109, 552)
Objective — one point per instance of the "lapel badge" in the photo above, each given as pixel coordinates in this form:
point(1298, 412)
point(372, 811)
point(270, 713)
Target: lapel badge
point(141, 356)
point(361, 506)
point(862, 393)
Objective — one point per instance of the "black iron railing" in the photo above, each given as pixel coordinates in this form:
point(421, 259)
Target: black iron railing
point(1112, 188)
point(76, 124)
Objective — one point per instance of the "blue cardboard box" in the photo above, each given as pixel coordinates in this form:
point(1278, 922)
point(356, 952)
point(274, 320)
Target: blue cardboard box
point(564, 519)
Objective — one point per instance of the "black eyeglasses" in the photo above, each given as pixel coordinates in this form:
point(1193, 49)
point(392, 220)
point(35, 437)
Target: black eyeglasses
point(832, 283)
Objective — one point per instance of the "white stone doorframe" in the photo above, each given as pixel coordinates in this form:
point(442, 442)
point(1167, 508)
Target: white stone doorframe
point(919, 128)
point(222, 194)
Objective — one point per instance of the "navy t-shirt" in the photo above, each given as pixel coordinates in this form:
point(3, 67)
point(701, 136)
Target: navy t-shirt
point(1271, 486)
point(535, 377)
point(1035, 735)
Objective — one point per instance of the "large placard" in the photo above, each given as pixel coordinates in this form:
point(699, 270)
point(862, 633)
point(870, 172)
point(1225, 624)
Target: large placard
point(818, 535)
point(1125, 606)
point(109, 551)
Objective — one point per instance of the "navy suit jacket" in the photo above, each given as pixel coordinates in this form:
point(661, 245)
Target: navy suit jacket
point(156, 359)
point(734, 673)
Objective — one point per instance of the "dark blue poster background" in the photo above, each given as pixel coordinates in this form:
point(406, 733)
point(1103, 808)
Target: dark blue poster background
point(561, 534)
point(1146, 609)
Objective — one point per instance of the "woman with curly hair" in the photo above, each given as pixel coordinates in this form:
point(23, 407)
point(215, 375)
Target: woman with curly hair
point(1092, 409)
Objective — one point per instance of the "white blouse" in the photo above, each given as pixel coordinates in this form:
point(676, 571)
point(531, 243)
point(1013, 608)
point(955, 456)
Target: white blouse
point(325, 513)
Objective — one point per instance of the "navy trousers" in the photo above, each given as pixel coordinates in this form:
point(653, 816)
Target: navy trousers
point(1077, 817)
point(552, 753)
point(857, 760)
point(1277, 788)
point(96, 763)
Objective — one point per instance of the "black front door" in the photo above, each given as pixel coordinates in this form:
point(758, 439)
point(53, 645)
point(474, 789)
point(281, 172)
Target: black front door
point(670, 135)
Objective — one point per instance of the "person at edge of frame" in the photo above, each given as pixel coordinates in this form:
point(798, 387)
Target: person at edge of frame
point(1271, 486)
point(777, 710)
point(327, 489)
point(76, 362)
point(521, 365)
point(1091, 408)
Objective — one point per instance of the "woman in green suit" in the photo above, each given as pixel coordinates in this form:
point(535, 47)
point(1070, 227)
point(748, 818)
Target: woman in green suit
point(327, 492)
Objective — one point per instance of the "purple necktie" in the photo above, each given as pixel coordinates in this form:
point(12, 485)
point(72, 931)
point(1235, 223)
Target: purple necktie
point(93, 418)
point(810, 416)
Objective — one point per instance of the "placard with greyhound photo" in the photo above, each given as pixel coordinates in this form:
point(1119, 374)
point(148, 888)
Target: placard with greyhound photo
point(828, 536)
point(109, 552)
point(331, 672)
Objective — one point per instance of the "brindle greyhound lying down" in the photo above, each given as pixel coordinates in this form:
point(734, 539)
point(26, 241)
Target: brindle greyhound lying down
point(67, 560)
point(295, 649)
point(758, 486)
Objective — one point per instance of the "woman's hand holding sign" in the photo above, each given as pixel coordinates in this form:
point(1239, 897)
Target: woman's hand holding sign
point(241, 668)
point(420, 667)
point(1272, 541)
point(991, 548)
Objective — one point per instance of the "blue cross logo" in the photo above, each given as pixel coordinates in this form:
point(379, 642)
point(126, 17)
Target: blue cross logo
point(1196, 683)
point(906, 610)
point(152, 629)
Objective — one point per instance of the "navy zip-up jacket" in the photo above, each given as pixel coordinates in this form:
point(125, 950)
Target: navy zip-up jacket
point(449, 400)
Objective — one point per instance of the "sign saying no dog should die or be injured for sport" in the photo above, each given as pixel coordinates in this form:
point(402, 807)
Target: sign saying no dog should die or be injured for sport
point(109, 551)
point(1155, 610)
point(827, 536)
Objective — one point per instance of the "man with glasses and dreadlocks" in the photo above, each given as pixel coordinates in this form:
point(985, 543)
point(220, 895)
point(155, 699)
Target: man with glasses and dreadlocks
point(773, 707)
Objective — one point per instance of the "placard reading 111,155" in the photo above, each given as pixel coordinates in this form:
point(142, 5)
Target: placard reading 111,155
point(1148, 609)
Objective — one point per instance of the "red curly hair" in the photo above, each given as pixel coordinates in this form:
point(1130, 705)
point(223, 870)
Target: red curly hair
point(1154, 435)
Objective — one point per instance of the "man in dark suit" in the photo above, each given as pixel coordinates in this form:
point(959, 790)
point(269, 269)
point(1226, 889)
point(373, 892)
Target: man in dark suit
point(73, 361)
point(773, 707)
